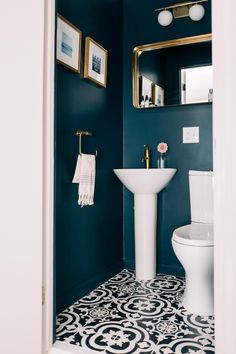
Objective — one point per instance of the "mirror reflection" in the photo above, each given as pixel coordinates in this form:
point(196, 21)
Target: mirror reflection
point(196, 84)
point(173, 75)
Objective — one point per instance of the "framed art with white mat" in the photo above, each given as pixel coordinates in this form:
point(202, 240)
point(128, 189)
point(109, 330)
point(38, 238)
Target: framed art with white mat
point(69, 40)
point(95, 64)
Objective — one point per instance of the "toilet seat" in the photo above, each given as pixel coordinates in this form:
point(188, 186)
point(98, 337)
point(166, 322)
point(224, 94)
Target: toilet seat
point(195, 234)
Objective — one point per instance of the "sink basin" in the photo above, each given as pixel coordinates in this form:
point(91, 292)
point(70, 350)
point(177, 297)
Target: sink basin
point(145, 184)
point(145, 181)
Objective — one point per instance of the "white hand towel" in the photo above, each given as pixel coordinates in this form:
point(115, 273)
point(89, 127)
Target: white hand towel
point(85, 176)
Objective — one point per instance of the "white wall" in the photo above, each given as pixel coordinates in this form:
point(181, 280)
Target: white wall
point(21, 107)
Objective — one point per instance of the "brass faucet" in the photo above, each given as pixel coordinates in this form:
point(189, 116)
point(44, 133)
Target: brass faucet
point(146, 157)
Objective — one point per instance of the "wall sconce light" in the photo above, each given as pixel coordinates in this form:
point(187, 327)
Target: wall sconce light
point(165, 18)
point(193, 9)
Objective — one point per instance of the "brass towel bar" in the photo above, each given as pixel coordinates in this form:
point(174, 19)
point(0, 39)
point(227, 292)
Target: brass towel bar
point(80, 133)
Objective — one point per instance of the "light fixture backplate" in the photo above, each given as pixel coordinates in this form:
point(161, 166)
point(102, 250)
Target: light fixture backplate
point(182, 11)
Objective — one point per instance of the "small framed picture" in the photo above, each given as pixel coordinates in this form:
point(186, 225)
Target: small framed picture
point(145, 92)
point(69, 40)
point(157, 95)
point(95, 64)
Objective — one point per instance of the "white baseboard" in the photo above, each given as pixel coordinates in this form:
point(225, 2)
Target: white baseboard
point(65, 348)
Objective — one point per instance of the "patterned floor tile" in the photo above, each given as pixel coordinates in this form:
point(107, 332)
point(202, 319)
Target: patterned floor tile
point(128, 316)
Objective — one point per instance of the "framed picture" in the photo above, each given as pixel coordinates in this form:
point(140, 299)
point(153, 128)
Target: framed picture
point(145, 94)
point(95, 64)
point(157, 95)
point(69, 40)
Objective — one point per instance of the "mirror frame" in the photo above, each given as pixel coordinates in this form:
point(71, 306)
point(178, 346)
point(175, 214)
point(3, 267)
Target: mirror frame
point(159, 45)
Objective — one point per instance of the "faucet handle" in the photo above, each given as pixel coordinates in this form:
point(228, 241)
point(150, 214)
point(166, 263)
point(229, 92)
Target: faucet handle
point(146, 157)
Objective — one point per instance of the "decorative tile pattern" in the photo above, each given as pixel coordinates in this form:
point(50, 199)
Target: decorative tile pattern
point(126, 316)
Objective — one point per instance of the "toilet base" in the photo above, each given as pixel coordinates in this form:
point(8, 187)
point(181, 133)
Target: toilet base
point(198, 295)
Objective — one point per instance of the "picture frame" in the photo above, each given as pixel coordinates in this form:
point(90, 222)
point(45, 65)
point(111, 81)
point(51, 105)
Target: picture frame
point(157, 95)
point(69, 39)
point(95, 62)
point(145, 94)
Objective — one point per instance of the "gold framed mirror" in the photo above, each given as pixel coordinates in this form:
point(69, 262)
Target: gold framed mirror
point(173, 72)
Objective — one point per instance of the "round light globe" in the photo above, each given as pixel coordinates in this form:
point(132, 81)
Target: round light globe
point(196, 12)
point(165, 18)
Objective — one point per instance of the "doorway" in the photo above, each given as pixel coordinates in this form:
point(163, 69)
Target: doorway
point(224, 160)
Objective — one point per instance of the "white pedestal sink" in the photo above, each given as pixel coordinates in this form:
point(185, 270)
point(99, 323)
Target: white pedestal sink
point(145, 184)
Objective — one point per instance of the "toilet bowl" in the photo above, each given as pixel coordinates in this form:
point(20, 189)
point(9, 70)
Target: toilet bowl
point(193, 245)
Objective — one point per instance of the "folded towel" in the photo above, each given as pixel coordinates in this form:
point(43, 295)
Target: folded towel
point(85, 176)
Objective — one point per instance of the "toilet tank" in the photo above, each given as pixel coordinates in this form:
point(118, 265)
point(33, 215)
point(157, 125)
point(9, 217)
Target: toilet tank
point(201, 196)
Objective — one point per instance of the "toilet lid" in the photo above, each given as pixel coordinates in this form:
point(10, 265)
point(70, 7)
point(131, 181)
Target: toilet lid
point(195, 234)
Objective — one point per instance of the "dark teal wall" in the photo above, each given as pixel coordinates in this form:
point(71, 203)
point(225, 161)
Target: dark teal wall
point(165, 124)
point(89, 245)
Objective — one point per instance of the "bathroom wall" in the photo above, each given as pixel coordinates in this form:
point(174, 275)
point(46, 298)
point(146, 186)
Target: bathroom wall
point(89, 245)
point(165, 124)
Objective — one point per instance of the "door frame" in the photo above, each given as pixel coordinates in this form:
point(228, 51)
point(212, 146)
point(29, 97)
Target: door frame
point(224, 157)
point(48, 175)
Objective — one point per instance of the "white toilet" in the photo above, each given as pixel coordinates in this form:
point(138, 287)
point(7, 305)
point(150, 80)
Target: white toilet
point(194, 246)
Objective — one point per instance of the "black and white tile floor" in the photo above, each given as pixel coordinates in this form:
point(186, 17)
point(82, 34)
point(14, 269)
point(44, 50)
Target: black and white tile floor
point(126, 316)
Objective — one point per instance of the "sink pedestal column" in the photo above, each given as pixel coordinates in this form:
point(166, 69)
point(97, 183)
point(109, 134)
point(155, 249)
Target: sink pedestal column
point(145, 216)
